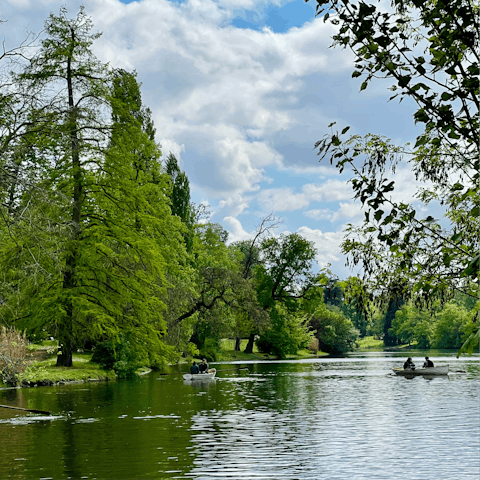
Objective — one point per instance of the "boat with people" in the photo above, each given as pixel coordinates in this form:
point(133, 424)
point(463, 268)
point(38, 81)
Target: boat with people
point(209, 375)
point(441, 370)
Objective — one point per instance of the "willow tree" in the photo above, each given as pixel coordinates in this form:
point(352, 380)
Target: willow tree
point(106, 202)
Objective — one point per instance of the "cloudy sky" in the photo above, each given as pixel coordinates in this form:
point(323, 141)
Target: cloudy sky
point(240, 91)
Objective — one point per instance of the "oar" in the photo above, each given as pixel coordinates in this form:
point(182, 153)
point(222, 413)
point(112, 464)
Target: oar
point(26, 409)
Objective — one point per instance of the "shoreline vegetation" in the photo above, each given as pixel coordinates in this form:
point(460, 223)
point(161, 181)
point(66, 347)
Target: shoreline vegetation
point(103, 248)
point(42, 369)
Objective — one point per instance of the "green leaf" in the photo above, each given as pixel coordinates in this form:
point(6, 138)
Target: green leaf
point(475, 211)
point(457, 236)
point(422, 140)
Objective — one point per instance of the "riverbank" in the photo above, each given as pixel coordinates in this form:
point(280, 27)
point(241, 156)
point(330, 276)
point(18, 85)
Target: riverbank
point(371, 344)
point(42, 369)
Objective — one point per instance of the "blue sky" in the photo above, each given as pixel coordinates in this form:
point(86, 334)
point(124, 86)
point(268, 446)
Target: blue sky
point(240, 91)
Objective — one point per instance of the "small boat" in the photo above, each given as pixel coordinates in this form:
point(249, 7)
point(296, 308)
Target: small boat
point(442, 370)
point(200, 376)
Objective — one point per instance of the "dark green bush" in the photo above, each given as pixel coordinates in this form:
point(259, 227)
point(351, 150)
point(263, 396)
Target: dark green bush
point(120, 355)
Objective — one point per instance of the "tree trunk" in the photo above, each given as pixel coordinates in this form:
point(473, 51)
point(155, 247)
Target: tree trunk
point(249, 347)
point(66, 334)
point(238, 341)
point(66, 350)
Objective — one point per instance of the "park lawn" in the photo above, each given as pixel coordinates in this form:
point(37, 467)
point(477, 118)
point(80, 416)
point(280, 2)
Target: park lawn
point(370, 343)
point(229, 355)
point(81, 370)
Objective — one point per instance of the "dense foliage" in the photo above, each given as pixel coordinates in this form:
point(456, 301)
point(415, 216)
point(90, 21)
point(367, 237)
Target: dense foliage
point(428, 51)
point(102, 248)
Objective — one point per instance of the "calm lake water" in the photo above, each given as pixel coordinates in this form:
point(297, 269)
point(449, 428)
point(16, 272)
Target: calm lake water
point(328, 419)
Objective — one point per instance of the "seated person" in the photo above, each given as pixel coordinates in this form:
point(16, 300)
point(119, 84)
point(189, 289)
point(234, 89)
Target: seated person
point(203, 367)
point(409, 365)
point(194, 368)
point(427, 363)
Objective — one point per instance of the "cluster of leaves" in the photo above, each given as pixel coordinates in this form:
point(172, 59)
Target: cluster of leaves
point(429, 51)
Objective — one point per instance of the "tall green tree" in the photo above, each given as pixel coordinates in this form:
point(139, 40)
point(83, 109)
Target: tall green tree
point(429, 53)
point(65, 61)
point(181, 204)
point(133, 192)
point(105, 217)
point(284, 276)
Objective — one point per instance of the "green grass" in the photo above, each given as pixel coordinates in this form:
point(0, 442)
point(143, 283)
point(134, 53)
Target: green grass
point(81, 370)
point(50, 345)
point(228, 354)
point(370, 343)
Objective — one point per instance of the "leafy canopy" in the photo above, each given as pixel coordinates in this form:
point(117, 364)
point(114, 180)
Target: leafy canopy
point(428, 51)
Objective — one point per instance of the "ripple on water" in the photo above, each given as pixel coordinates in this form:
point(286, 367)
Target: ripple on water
point(29, 419)
point(347, 426)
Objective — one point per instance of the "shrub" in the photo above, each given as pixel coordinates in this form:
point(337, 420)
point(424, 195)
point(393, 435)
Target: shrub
point(335, 332)
point(119, 355)
point(211, 350)
point(13, 353)
point(288, 334)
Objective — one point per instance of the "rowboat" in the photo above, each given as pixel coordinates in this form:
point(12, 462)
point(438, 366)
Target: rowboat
point(200, 376)
point(443, 370)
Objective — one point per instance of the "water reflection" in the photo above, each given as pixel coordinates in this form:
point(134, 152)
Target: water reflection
point(322, 419)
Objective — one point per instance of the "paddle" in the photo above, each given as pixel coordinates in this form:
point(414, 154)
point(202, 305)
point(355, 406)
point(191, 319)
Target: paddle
point(26, 409)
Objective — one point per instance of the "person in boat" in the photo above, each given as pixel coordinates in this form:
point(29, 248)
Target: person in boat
point(203, 367)
point(409, 365)
point(194, 368)
point(428, 363)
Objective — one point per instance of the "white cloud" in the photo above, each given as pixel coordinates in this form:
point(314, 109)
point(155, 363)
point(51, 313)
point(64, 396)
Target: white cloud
point(347, 210)
point(281, 200)
point(286, 200)
point(234, 204)
point(329, 191)
point(170, 146)
point(220, 88)
point(236, 231)
point(326, 243)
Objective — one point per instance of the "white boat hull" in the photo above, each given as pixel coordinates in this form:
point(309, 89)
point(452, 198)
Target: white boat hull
point(200, 376)
point(442, 370)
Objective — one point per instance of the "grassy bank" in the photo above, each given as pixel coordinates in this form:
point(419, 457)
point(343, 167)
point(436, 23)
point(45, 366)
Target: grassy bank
point(228, 354)
point(82, 369)
point(370, 344)
point(42, 369)
point(42, 358)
